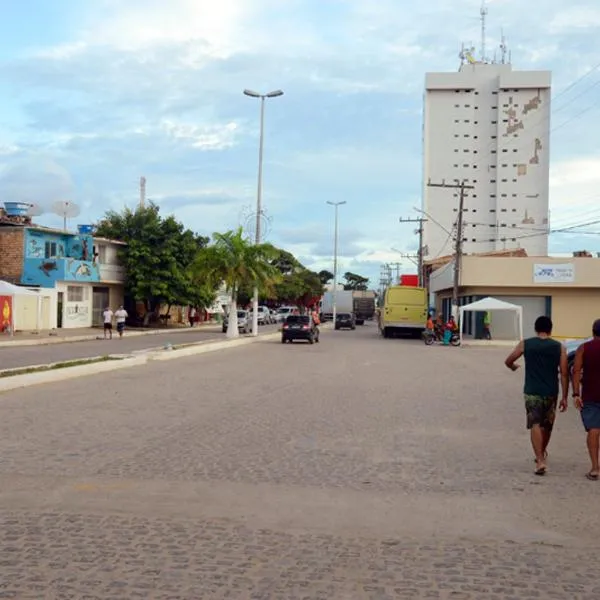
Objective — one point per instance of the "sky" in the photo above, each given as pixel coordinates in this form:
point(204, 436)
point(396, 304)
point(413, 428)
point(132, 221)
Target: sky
point(96, 94)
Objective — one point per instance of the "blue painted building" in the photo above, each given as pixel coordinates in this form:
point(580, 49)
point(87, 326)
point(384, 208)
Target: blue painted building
point(81, 273)
point(51, 256)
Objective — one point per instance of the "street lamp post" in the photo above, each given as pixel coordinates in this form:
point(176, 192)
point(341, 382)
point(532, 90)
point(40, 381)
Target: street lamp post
point(257, 239)
point(336, 205)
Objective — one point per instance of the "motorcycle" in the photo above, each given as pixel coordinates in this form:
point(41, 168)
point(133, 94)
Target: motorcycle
point(431, 337)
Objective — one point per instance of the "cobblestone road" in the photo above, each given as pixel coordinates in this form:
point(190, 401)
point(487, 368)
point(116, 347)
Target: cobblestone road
point(356, 468)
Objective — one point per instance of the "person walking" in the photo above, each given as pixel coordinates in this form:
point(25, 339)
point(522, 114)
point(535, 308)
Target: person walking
point(107, 315)
point(544, 359)
point(587, 361)
point(121, 315)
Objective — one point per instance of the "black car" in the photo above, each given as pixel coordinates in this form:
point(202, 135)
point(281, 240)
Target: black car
point(345, 321)
point(299, 327)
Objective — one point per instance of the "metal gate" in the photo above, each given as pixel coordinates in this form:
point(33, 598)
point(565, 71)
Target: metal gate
point(100, 300)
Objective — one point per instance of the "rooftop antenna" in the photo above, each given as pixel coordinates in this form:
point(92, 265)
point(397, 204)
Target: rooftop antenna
point(66, 210)
point(503, 48)
point(483, 12)
point(142, 191)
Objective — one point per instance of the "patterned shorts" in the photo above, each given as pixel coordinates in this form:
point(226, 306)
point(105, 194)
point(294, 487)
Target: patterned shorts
point(541, 410)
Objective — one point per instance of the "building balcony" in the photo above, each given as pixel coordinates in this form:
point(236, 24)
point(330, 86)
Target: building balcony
point(112, 273)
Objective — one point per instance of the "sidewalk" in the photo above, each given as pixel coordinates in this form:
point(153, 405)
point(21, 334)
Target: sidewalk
point(63, 336)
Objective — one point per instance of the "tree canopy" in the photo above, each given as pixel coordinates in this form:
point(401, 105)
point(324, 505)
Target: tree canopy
point(325, 276)
point(355, 282)
point(158, 258)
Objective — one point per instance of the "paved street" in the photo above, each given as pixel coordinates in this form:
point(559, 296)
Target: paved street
point(24, 356)
point(357, 468)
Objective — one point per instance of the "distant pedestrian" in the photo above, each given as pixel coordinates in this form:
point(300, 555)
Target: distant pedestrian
point(120, 316)
point(487, 324)
point(544, 359)
point(192, 316)
point(107, 315)
point(587, 361)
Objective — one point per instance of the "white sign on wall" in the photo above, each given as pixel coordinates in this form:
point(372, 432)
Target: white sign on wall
point(564, 273)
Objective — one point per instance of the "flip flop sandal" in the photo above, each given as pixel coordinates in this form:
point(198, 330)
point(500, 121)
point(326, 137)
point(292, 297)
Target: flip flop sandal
point(541, 471)
point(592, 476)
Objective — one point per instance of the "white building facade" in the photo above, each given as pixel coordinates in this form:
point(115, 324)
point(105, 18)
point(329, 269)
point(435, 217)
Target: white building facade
point(489, 126)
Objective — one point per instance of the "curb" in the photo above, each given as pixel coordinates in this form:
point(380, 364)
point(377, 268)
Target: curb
point(29, 379)
point(45, 341)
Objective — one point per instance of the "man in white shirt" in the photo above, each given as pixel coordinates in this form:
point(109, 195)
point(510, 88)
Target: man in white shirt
point(108, 317)
point(121, 315)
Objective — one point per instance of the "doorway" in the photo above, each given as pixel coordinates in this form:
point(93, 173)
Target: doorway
point(100, 300)
point(59, 309)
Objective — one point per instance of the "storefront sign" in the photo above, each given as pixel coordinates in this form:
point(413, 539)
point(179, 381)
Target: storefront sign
point(564, 273)
point(6, 314)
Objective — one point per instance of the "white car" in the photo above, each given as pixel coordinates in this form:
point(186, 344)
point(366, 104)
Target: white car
point(285, 311)
point(244, 324)
point(264, 316)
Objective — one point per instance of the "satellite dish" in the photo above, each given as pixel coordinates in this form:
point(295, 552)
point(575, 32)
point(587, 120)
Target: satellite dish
point(66, 210)
point(35, 210)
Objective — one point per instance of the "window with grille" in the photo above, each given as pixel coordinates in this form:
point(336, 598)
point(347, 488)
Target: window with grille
point(75, 293)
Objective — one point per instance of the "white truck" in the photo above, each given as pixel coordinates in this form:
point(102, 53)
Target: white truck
point(343, 301)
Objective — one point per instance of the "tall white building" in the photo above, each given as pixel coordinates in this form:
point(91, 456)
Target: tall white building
point(489, 126)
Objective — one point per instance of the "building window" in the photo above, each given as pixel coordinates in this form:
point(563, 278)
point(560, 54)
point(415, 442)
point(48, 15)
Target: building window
point(75, 293)
point(102, 255)
point(492, 210)
point(505, 165)
point(50, 250)
point(503, 210)
point(505, 181)
point(494, 122)
point(494, 137)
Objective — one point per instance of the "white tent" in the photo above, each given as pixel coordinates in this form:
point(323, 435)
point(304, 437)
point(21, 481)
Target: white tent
point(9, 289)
point(490, 304)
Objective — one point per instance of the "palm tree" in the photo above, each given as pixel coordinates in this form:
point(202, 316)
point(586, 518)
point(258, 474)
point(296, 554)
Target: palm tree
point(237, 262)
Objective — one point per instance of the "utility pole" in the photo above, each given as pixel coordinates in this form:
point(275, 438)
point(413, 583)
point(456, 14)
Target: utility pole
point(462, 186)
point(396, 266)
point(420, 221)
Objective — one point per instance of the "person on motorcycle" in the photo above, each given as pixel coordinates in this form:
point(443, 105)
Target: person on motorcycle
point(449, 330)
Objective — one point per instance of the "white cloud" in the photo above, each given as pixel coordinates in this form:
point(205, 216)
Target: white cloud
point(207, 137)
point(575, 190)
point(575, 18)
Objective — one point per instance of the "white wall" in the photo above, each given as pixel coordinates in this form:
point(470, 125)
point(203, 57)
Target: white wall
point(76, 313)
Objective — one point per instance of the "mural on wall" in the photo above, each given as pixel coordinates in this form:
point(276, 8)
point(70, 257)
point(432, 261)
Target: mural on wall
point(5, 314)
point(77, 313)
point(35, 248)
point(47, 266)
point(52, 256)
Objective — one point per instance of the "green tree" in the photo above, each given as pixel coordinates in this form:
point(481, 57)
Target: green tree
point(325, 276)
point(355, 282)
point(232, 259)
point(158, 256)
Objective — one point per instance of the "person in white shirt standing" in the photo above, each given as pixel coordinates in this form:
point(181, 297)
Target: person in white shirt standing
point(108, 317)
point(121, 315)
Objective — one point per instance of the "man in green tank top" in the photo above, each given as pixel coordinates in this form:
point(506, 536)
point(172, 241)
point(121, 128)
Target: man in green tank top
point(545, 358)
